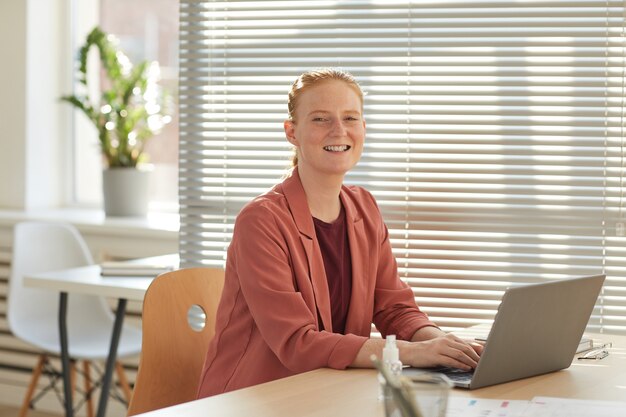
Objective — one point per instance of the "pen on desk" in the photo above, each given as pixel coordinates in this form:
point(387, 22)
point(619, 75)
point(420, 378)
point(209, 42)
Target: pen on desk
point(595, 354)
point(599, 352)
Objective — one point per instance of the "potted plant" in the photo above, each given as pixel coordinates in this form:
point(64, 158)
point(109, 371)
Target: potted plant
point(130, 110)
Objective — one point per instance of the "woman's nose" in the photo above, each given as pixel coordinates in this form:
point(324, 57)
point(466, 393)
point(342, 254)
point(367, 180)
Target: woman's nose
point(338, 128)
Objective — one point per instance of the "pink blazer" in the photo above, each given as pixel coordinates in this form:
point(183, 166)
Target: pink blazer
point(274, 317)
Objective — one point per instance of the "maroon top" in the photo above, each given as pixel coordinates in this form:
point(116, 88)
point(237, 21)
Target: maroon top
point(333, 241)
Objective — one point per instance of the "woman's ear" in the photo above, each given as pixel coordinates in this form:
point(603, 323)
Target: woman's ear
point(290, 132)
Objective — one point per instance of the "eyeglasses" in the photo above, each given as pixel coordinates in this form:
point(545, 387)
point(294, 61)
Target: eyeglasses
point(597, 353)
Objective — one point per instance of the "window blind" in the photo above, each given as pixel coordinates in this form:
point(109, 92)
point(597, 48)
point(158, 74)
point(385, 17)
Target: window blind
point(495, 135)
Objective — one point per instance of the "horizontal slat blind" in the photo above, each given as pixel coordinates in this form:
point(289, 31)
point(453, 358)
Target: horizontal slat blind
point(494, 134)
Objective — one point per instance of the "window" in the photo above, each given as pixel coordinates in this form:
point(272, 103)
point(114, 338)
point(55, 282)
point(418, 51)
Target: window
point(494, 144)
point(146, 30)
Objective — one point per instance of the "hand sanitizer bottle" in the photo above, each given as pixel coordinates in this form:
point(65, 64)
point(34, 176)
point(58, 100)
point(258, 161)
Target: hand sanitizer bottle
point(391, 362)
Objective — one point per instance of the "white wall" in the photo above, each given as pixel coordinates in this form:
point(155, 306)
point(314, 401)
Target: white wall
point(33, 124)
point(47, 137)
point(12, 103)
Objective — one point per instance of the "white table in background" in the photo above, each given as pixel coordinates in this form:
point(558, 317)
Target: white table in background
point(87, 280)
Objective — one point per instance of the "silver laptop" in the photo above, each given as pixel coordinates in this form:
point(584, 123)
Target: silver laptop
point(536, 330)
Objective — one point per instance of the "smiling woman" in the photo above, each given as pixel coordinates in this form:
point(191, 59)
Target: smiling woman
point(310, 79)
point(327, 129)
point(310, 267)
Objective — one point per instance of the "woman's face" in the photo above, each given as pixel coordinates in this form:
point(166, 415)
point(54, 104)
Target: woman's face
point(328, 129)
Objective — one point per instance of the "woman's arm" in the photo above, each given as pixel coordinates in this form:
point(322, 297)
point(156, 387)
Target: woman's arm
point(396, 313)
point(395, 310)
point(429, 347)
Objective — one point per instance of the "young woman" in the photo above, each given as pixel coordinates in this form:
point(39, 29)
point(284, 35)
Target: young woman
point(310, 266)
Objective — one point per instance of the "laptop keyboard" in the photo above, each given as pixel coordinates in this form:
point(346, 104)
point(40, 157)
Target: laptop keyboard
point(460, 376)
point(455, 374)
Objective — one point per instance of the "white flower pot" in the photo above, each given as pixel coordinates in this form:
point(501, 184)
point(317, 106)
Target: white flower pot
point(125, 191)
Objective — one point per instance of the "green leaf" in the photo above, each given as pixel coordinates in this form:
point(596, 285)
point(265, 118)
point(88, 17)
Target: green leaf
point(127, 107)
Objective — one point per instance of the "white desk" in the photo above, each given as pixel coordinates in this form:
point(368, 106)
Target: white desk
point(354, 392)
point(87, 280)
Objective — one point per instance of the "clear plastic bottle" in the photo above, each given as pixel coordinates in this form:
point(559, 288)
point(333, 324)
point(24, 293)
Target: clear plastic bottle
point(391, 362)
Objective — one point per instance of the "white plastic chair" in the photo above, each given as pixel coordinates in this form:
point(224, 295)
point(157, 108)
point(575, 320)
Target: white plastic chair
point(33, 313)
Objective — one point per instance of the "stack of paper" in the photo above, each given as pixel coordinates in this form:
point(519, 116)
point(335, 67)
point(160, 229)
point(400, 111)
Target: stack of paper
point(565, 407)
point(146, 267)
point(481, 407)
point(537, 407)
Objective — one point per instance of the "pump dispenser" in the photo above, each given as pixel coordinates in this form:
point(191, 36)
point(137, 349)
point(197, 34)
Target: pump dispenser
point(391, 361)
point(391, 356)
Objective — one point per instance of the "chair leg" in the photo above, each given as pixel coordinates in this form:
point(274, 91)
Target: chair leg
point(33, 383)
point(121, 376)
point(73, 378)
point(88, 392)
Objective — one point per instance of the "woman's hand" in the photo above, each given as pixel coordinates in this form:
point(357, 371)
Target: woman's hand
point(440, 350)
point(443, 350)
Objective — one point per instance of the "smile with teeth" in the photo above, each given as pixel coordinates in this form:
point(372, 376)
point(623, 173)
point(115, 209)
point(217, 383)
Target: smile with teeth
point(337, 148)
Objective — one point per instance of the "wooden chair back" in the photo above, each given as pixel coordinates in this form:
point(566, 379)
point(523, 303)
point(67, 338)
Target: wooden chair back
point(172, 353)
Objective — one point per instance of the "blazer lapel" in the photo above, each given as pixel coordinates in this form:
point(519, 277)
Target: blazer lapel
point(357, 238)
point(296, 198)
